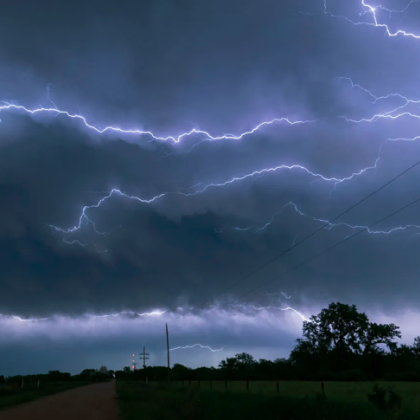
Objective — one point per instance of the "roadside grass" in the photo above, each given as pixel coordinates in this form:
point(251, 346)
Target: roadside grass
point(337, 391)
point(13, 395)
point(295, 401)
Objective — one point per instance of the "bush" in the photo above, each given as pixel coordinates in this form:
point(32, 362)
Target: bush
point(387, 401)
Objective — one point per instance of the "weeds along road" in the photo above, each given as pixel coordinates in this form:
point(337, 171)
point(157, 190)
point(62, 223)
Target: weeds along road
point(91, 402)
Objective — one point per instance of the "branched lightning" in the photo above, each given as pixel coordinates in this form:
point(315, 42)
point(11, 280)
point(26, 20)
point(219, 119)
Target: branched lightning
point(175, 139)
point(376, 99)
point(196, 345)
point(393, 114)
point(116, 192)
point(369, 16)
point(372, 12)
point(328, 224)
point(267, 308)
point(132, 314)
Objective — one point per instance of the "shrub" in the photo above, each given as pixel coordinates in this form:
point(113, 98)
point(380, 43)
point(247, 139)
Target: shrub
point(386, 401)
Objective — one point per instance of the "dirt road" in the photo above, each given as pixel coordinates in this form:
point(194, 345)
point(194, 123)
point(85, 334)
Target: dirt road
point(91, 402)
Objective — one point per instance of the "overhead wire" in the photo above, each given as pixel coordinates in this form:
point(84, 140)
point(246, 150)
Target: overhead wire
point(313, 234)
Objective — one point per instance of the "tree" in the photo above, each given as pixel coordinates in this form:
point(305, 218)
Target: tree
point(416, 348)
point(342, 328)
point(244, 360)
point(180, 372)
point(228, 364)
point(377, 334)
point(336, 339)
point(239, 366)
point(338, 327)
point(103, 370)
point(57, 376)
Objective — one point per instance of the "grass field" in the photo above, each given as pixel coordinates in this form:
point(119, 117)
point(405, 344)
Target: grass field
point(338, 391)
point(295, 401)
point(13, 395)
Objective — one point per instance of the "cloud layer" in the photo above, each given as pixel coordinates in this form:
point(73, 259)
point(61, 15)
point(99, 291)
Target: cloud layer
point(220, 212)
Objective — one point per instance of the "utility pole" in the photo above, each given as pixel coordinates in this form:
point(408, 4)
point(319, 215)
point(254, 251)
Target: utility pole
point(167, 348)
point(144, 356)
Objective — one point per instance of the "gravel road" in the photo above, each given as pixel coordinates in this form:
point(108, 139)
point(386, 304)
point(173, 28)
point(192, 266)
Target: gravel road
point(91, 402)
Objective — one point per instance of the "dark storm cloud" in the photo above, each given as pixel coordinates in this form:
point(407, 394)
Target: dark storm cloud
point(224, 67)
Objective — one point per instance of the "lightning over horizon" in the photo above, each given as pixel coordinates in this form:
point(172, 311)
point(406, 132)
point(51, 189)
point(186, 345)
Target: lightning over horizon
point(156, 162)
point(196, 345)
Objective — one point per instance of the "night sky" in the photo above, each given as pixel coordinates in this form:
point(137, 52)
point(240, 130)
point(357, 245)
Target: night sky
point(107, 236)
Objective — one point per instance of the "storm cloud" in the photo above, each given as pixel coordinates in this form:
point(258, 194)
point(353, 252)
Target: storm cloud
point(97, 226)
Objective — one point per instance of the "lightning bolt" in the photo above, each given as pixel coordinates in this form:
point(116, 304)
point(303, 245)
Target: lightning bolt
point(393, 114)
point(132, 314)
point(116, 192)
point(174, 139)
point(328, 224)
point(372, 12)
point(375, 98)
point(196, 345)
point(284, 294)
point(267, 308)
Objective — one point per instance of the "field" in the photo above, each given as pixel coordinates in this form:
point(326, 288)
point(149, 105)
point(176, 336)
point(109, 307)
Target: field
point(12, 395)
point(294, 401)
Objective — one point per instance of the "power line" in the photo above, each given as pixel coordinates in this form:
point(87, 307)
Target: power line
point(313, 234)
point(331, 247)
point(319, 229)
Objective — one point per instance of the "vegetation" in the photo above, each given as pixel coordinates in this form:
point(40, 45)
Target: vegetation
point(332, 373)
point(339, 347)
point(162, 401)
point(338, 344)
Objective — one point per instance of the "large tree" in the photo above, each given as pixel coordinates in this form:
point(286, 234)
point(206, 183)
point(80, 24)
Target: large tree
point(343, 330)
point(240, 365)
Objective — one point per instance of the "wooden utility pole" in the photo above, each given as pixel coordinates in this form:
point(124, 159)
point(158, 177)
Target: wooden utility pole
point(144, 356)
point(167, 349)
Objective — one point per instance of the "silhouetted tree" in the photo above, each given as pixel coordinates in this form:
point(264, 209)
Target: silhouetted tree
point(338, 338)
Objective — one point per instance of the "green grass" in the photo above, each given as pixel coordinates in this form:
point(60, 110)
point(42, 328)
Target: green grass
point(11, 395)
point(337, 391)
point(295, 401)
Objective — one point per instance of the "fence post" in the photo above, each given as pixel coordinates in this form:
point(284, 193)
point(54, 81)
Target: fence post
point(225, 384)
point(322, 387)
point(190, 382)
point(199, 383)
point(277, 387)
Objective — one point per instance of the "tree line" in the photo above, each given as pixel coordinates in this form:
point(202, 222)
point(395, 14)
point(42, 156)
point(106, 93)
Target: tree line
point(338, 344)
point(87, 375)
